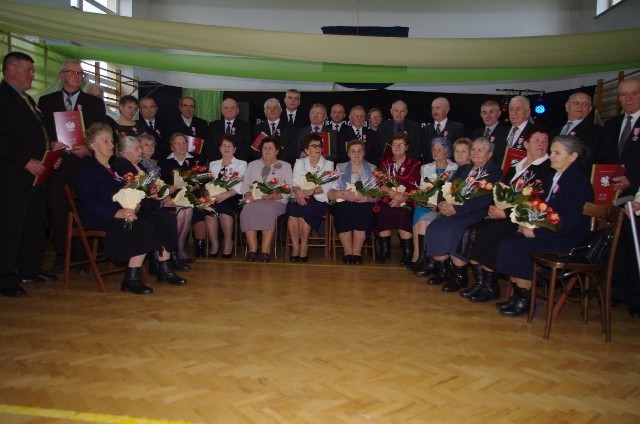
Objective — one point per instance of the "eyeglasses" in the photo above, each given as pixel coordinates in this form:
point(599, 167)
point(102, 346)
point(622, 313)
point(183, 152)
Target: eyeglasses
point(76, 73)
point(315, 145)
point(398, 144)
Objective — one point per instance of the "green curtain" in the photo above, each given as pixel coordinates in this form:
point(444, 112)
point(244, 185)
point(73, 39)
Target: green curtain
point(207, 103)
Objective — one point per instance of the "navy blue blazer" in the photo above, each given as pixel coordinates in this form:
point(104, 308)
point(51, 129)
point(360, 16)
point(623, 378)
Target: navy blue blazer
point(95, 187)
point(476, 205)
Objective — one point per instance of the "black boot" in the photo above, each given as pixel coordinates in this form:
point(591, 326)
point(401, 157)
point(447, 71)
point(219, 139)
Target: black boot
point(421, 256)
point(520, 304)
point(507, 303)
point(490, 289)
point(407, 251)
point(477, 274)
point(176, 263)
point(427, 268)
point(384, 249)
point(200, 248)
point(441, 272)
point(459, 279)
point(132, 282)
point(166, 275)
point(153, 263)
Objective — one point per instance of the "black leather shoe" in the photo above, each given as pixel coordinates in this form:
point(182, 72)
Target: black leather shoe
point(251, 256)
point(294, 259)
point(166, 275)
point(634, 311)
point(177, 263)
point(303, 259)
point(347, 259)
point(213, 255)
point(226, 256)
point(41, 277)
point(266, 257)
point(13, 291)
point(357, 259)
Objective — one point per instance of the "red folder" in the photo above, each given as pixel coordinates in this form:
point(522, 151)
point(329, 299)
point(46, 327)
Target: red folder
point(194, 144)
point(48, 161)
point(69, 128)
point(511, 157)
point(601, 175)
point(326, 142)
point(256, 143)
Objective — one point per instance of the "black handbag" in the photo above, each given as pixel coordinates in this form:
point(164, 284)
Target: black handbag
point(594, 249)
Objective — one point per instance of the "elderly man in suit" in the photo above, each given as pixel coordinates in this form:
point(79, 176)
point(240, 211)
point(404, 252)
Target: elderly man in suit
point(275, 127)
point(23, 142)
point(317, 117)
point(357, 131)
point(493, 130)
point(442, 126)
point(579, 125)
point(70, 98)
point(400, 123)
point(231, 125)
point(156, 128)
point(187, 123)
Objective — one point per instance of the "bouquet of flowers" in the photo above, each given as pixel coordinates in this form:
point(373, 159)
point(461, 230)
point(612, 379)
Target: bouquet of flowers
point(272, 186)
point(425, 192)
point(312, 180)
point(535, 214)
point(203, 204)
point(189, 177)
point(460, 190)
point(524, 188)
point(222, 184)
point(138, 187)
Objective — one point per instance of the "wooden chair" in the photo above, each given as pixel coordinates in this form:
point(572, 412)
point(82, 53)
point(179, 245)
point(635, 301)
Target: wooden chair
point(77, 230)
point(587, 276)
point(314, 240)
point(369, 244)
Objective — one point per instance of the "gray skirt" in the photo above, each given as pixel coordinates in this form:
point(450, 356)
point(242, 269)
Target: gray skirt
point(261, 214)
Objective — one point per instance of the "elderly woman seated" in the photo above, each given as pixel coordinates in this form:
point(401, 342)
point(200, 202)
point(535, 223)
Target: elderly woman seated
point(444, 234)
point(261, 210)
point(96, 185)
point(310, 203)
point(353, 214)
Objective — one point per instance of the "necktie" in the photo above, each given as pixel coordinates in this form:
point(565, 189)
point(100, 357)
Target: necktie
point(358, 135)
point(626, 132)
point(273, 128)
point(336, 127)
point(151, 125)
point(512, 136)
point(438, 128)
point(316, 129)
point(228, 130)
point(487, 132)
point(567, 128)
point(398, 128)
point(68, 103)
point(291, 118)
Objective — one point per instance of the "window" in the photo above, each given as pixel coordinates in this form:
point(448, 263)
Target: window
point(108, 7)
point(604, 5)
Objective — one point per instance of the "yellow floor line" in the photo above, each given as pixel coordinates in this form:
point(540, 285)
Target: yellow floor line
point(81, 416)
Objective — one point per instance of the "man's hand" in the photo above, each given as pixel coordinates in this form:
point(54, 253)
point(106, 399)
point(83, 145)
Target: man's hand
point(34, 167)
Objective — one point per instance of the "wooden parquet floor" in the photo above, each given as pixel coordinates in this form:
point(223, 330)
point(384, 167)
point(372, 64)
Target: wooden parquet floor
point(315, 343)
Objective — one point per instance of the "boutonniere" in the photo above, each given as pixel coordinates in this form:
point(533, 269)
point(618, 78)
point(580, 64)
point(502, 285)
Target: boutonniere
point(364, 137)
point(520, 140)
point(158, 132)
point(79, 107)
point(233, 130)
point(402, 170)
point(492, 138)
point(135, 130)
point(446, 133)
point(193, 129)
point(278, 132)
point(555, 189)
point(636, 131)
point(572, 133)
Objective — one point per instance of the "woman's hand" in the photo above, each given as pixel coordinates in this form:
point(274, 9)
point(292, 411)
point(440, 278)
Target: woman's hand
point(272, 196)
point(446, 209)
point(167, 202)
point(127, 214)
point(301, 196)
point(397, 199)
point(248, 197)
point(219, 198)
point(496, 213)
point(634, 206)
point(526, 231)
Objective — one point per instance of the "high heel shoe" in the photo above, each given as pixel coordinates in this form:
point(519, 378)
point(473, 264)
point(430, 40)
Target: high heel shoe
point(213, 255)
point(226, 255)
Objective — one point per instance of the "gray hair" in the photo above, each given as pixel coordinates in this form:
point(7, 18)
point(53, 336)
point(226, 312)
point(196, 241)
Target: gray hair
point(572, 144)
point(445, 143)
point(125, 143)
point(522, 99)
point(66, 62)
point(147, 136)
point(489, 145)
point(272, 100)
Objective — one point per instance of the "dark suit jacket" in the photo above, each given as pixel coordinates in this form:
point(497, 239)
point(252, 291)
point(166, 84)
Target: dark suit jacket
point(590, 134)
point(411, 128)
point(241, 134)
point(302, 118)
point(92, 108)
point(287, 137)
point(199, 128)
point(160, 133)
point(499, 139)
point(306, 130)
point(630, 154)
point(453, 131)
point(95, 187)
point(370, 139)
point(22, 137)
